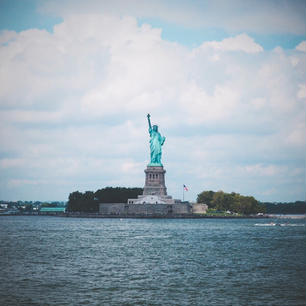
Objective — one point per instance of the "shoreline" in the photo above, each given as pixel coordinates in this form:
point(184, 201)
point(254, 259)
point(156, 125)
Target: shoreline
point(142, 216)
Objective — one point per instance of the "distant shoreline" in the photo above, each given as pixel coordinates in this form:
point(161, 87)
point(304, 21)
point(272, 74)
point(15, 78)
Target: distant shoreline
point(170, 216)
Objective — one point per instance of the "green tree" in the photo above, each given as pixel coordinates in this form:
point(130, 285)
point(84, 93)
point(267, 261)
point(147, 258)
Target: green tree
point(206, 197)
point(117, 194)
point(75, 201)
point(233, 202)
point(218, 200)
point(89, 201)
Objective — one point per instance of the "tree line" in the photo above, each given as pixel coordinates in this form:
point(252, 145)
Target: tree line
point(297, 207)
point(89, 200)
point(233, 202)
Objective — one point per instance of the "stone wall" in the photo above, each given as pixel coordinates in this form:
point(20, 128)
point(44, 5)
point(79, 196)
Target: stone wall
point(144, 209)
point(199, 208)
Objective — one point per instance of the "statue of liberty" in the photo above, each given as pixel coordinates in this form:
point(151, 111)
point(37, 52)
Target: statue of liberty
point(156, 142)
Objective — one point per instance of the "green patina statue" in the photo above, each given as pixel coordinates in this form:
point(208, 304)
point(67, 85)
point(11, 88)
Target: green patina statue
point(156, 142)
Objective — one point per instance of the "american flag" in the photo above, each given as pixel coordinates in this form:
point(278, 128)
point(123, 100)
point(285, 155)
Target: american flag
point(185, 187)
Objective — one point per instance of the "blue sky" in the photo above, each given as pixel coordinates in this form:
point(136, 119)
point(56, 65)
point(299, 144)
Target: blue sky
point(22, 15)
point(224, 82)
point(193, 37)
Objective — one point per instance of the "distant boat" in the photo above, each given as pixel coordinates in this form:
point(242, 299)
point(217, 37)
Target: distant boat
point(267, 224)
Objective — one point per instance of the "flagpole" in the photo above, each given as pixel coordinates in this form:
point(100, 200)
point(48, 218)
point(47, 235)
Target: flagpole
point(183, 192)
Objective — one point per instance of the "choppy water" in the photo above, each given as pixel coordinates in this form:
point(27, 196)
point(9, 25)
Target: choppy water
point(67, 261)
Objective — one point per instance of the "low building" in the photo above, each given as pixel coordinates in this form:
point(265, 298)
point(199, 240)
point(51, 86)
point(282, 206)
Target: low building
point(52, 210)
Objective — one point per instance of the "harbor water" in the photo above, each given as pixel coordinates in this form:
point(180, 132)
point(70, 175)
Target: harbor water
point(82, 261)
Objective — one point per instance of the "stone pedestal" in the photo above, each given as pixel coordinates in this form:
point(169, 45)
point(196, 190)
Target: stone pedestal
point(154, 191)
point(155, 181)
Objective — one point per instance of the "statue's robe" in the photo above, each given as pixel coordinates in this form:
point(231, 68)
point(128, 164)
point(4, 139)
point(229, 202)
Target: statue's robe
point(156, 142)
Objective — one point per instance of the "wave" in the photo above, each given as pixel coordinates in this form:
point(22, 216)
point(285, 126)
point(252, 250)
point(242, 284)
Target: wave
point(278, 224)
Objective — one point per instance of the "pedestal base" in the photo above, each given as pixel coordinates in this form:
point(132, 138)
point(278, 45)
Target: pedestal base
point(154, 191)
point(155, 181)
point(152, 199)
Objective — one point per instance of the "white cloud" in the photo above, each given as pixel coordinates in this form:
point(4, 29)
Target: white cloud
point(259, 103)
point(240, 42)
point(302, 91)
point(7, 37)
point(301, 46)
point(200, 107)
point(11, 162)
point(18, 182)
point(73, 107)
point(296, 136)
point(264, 170)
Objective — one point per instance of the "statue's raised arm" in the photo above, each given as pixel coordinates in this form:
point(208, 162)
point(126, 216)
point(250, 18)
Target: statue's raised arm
point(149, 122)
